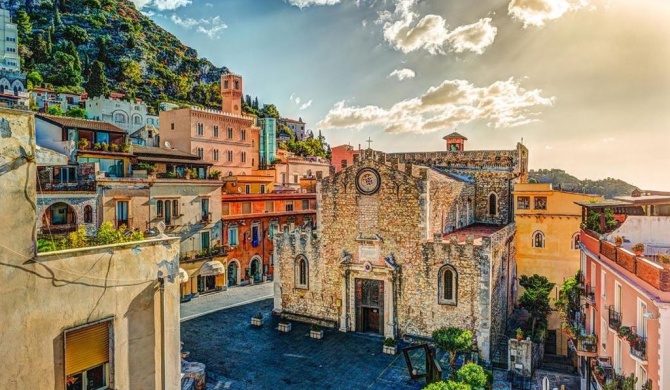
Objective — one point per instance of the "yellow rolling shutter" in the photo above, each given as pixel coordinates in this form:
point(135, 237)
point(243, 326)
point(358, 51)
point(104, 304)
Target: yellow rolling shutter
point(86, 347)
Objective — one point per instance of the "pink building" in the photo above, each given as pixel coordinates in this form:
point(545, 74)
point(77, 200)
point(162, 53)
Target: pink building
point(625, 312)
point(343, 156)
point(227, 139)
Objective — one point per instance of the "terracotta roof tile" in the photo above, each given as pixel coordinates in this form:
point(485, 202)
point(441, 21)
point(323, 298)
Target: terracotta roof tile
point(140, 150)
point(83, 124)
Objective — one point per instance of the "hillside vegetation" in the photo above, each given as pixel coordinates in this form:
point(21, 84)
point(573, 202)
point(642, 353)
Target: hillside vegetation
point(64, 43)
point(608, 187)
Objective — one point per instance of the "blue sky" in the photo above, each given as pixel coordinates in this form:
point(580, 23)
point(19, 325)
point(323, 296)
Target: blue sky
point(584, 82)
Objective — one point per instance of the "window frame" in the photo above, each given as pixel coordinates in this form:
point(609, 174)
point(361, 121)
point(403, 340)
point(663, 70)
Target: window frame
point(534, 240)
point(288, 205)
point(492, 203)
point(537, 203)
point(441, 283)
point(301, 274)
point(523, 201)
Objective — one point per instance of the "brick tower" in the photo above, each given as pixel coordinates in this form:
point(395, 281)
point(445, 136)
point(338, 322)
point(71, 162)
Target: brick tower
point(455, 142)
point(231, 93)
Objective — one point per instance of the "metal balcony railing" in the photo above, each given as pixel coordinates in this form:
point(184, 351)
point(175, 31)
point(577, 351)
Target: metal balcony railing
point(587, 345)
point(638, 347)
point(614, 318)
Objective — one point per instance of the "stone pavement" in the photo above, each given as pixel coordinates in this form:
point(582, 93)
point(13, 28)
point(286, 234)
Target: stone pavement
point(571, 381)
point(233, 296)
point(239, 356)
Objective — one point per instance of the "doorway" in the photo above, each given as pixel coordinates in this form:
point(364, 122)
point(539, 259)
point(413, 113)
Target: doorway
point(255, 270)
point(550, 343)
point(206, 283)
point(370, 306)
point(232, 273)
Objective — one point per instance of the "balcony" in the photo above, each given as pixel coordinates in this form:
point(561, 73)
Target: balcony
point(204, 254)
point(206, 218)
point(603, 372)
point(614, 318)
point(638, 347)
point(74, 187)
point(589, 294)
point(127, 222)
point(59, 229)
point(587, 345)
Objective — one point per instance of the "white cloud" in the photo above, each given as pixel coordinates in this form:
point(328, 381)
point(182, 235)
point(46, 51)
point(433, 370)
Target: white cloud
point(431, 32)
point(161, 5)
point(608, 140)
point(473, 37)
point(402, 74)
point(454, 102)
point(536, 12)
point(548, 147)
point(210, 27)
point(307, 3)
point(295, 99)
point(209, 5)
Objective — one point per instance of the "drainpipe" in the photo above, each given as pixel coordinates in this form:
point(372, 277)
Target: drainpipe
point(161, 282)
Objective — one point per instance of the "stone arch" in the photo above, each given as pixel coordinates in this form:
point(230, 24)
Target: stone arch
point(575, 241)
point(538, 239)
point(59, 215)
point(233, 269)
point(119, 116)
point(492, 203)
point(447, 283)
point(5, 85)
point(137, 119)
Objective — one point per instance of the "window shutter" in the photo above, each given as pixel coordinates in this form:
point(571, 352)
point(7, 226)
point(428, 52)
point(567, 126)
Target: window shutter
point(86, 347)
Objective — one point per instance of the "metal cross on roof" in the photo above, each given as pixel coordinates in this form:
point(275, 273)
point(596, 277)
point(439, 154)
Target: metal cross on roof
point(369, 141)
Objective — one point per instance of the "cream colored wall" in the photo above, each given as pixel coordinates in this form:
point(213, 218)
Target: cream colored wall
point(45, 295)
point(559, 259)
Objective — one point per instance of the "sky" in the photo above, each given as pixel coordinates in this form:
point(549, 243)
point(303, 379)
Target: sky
point(584, 84)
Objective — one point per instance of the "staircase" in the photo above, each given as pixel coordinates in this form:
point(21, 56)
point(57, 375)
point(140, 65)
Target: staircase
point(557, 363)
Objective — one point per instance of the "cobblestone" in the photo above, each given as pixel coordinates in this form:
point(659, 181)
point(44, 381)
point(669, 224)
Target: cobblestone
point(233, 296)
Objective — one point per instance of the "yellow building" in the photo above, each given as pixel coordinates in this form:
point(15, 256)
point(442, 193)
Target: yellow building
point(259, 182)
point(547, 240)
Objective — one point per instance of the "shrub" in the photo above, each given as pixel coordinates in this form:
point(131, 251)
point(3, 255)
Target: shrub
point(78, 239)
point(448, 385)
point(472, 375)
point(390, 342)
point(315, 328)
point(639, 247)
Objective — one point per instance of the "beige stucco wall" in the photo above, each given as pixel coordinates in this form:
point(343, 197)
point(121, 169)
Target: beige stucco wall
point(45, 295)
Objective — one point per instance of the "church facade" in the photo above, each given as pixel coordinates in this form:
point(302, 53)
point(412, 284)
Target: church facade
point(405, 244)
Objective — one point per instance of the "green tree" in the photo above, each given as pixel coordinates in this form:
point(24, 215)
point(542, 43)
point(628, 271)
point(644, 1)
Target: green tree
point(64, 70)
point(39, 48)
point(448, 385)
point(97, 81)
point(57, 20)
point(23, 26)
point(270, 111)
point(535, 298)
point(131, 72)
point(71, 49)
point(473, 375)
point(55, 110)
point(76, 112)
point(103, 55)
point(34, 79)
point(453, 340)
point(76, 34)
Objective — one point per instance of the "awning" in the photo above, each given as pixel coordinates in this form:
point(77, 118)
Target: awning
point(211, 268)
point(183, 275)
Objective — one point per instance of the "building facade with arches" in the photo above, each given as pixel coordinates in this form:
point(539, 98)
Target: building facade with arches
point(547, 241)
point(129, 115)
point(401, 249)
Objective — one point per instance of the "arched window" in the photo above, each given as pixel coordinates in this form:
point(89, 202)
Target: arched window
point(159, 208)
point(88, 214)
point(301, 272)
point(447, 286)
point(175, 208)
point(119, 118)
point(538, 240)
point(575, 241)
point(493, 204)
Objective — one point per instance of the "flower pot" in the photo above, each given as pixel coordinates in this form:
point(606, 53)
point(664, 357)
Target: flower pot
point(255, 321)
point(639, 253)
point(284, 327)
point(316, 334)
point(519, 337)
point(390, 350)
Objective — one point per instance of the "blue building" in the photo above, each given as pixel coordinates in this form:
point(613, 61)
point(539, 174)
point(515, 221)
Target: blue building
point(268, 142)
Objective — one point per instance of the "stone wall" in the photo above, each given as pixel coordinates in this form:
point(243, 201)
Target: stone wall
point(395, 236)
point(78, 202)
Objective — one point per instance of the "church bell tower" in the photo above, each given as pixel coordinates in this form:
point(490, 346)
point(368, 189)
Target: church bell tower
point(231, 93)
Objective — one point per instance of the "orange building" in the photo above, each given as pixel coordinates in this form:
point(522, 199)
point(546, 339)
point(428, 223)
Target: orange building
point(228, 139)
point(250, 223)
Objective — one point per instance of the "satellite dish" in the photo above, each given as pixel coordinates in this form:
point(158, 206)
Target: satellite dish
point(168, 145)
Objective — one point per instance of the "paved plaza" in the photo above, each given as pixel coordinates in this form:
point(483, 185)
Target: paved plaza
point(239, 356)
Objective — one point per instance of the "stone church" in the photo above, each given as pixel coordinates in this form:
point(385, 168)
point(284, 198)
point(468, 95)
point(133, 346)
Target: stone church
point(406, 243)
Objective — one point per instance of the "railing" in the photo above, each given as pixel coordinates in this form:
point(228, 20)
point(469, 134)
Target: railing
point(88, 187)
point(614, 318)
point(206, 217)
point(590, 294)
point(205, 254)
point(638, 347)
point(603, 372)
point(128, 223)
point(59, 229)
point(587, 345)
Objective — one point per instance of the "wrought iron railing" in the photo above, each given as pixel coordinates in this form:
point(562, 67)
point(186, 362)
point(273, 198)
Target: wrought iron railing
point(614, 318)
point(638, 347)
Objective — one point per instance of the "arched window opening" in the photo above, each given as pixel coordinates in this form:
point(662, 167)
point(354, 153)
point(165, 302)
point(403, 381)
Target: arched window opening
point(448, 286)
point(301, 273)
point(538, 240)
point(575, 241)
point(493, 204)
point(88, 214)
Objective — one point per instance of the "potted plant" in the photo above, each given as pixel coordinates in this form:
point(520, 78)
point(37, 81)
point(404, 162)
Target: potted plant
point(83, 144)
point(599, 373)
point(316, 332)
point(125, 148)
point(104, 146)
point(214, 175)
point(632, 339)
point(618, 240)
point(114, 148)
point(284, 325)
point(97, 146)
point(664, 259)
point(257, 320)
point(519, 334)
point(624, 331)
point(390, 346)
point(638, 249)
